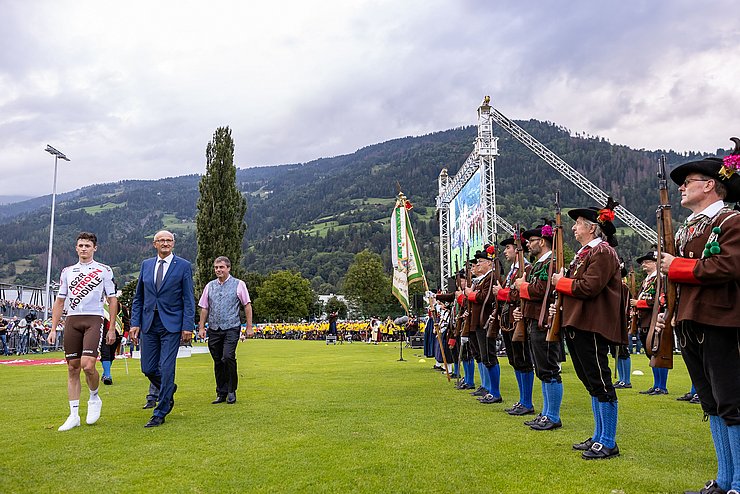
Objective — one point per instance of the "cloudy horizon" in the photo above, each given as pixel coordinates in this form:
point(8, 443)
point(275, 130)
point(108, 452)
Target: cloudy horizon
point(135, 90)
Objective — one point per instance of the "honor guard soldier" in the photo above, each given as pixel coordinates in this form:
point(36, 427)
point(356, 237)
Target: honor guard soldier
point(546, 355)
point(482, 300)
point(594, 318)
point(517, 352)
point(707, 271)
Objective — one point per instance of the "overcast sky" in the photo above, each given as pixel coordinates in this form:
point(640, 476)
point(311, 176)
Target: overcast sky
point(135, 89)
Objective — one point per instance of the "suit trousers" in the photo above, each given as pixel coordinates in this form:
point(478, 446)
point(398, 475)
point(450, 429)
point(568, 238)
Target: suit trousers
point(158, 357)
point(589, 352)
point(486, 348)
point(712, 356)
point(222, 345)
point(546, 355)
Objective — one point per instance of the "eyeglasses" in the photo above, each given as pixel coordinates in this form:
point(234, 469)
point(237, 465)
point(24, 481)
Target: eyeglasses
point(165, 241)
point(689, 180)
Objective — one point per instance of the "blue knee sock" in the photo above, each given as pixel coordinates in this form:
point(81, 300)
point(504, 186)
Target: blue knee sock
point(527, 385)
point(627, 368)
point(693, 389)
point(733, 432)
point(456, 368)
point(609, 423)
point(656, 377)
point(664, 379)
point(597, 420)
point(484, 376)
point(554, 398)
point(545, 399)
point(620, 372)
point(720, 436)
point(106, 368)
point(519, 384)
point(494, 380)
point(469, 367)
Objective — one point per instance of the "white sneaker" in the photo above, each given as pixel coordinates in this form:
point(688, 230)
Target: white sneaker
point(93, 411)
point(71, 422)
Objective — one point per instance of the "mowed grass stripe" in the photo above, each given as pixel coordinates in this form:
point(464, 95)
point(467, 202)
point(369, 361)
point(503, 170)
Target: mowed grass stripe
point(349, 418)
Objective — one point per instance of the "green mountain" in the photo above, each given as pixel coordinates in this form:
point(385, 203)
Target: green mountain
point(314, 217)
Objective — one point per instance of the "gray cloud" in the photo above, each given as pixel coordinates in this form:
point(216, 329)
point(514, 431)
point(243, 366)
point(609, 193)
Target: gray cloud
point(135, 89)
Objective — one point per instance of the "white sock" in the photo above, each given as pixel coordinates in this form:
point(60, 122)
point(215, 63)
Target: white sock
point(74, 407)
point(94, 394)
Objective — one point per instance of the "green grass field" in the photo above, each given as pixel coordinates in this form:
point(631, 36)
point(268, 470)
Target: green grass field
point(351, 418)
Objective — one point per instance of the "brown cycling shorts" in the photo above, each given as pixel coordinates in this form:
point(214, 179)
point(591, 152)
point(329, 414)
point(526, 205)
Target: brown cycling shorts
point(82, 336)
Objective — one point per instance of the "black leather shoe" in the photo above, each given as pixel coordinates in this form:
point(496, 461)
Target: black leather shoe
point(648, 391)
point(710, 487)
point(481, 391)
point(600, 452)
point(584, 446)
point(521, 410)
point(150, 404)
point(219, 399)
point(107, 380)
point(695, 400)
point(231, 398)
point(155, 421)
point(534, 420)
point(686, 397)
point(546, 425)
point(658, 391)
point(512, 407)
point(489, 398)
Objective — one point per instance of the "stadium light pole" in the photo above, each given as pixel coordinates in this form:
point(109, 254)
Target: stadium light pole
point(57, 156)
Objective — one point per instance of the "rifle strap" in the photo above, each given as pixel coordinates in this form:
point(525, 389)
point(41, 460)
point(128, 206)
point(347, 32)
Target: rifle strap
point(488, 295)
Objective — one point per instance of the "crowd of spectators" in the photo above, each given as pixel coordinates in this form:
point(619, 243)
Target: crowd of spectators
point(23, 330)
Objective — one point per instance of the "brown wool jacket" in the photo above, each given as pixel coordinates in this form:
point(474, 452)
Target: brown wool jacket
point(709, 289)
point(593, 295)
point(480, 309)
point(533, 291)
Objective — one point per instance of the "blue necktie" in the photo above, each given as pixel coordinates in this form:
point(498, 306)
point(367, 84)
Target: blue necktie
point(160, 274)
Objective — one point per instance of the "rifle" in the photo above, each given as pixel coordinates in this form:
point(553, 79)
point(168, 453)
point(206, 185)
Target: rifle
point(660, 341)
point(520, 328)
point(633, 294)
point(558, 260)
point(437, 328)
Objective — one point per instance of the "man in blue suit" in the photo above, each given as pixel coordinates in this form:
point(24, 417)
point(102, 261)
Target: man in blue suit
point(162, 309)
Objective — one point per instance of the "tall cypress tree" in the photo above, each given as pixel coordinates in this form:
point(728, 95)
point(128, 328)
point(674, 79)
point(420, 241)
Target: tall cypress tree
point(220, 219)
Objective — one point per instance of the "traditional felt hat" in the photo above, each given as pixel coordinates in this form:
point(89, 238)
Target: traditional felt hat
point(604, 217)
point(650, 256)
point(726, 170)
point(543, 231)
point(488, 252)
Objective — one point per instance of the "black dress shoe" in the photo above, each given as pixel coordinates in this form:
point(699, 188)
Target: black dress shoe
point(489, 398)
point(695, 400)
point(686, 397)
point(155, 421)
point(534, 420)
point(710, 487)
point(658, 391)
point(150, 404)
point(600, 452)
point(546, 425)
point(648, 391)
point(481, 391)
point(231, 398)
point(521, 410)
point(219, 399)
point(584, 446)
point(107, 380)
point(512, 407)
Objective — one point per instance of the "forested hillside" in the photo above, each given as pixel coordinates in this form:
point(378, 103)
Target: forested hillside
point(314, 217)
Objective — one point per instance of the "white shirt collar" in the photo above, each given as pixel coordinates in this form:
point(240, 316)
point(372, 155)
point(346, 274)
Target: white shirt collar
point(544, 256)
point(709, 211)
point(593, 243)
point(167, 260)
point(652, 275)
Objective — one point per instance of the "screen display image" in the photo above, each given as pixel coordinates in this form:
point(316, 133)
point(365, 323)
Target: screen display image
point(467, 222)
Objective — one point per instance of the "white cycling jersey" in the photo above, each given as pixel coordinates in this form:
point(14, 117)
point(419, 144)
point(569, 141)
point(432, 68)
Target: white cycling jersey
point(85, 288)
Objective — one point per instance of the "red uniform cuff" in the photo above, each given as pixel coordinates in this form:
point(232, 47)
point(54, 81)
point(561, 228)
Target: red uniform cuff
point(472, 295)
point(524, 290)
point(642, 304)
point(682, 271)
point(503, 295)
point(461, 299)
point(565, 285)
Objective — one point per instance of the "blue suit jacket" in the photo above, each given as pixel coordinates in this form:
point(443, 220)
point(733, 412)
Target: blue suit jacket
point(174, 301)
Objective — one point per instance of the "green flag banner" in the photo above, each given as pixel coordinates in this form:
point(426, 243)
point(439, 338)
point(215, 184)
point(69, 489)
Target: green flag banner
point(407, 268)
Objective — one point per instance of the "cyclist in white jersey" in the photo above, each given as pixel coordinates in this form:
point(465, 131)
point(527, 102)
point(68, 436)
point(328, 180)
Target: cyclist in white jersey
point(83, 289)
